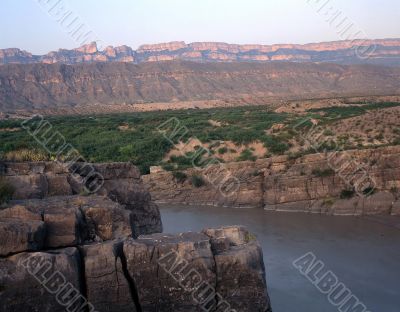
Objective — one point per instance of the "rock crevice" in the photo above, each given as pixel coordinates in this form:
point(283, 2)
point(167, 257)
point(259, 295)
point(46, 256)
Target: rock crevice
point(103, 253)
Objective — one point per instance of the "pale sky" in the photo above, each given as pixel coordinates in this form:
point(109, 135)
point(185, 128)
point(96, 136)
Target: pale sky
point(25, 24)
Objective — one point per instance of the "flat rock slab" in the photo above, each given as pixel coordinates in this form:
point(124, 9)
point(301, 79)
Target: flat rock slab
point(17, 236)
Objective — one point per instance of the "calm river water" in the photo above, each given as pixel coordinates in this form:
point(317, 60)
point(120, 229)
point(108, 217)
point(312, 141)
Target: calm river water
point(365, 255)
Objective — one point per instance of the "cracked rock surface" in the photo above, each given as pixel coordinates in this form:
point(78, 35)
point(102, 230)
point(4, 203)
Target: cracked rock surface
point(62, 251)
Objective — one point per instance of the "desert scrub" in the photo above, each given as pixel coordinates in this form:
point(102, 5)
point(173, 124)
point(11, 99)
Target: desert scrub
point(275, 145)
point(249, 237)
point(168, 166)
point(197, 181)
point(222, 150)
point(247, 155)
point(369, 191)
point(328, 201)
point(347, 194)
point(6, 191)
point(26, 155)
point(179, 176)
point(323, 172)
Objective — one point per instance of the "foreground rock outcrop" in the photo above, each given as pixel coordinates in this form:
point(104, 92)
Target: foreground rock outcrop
point(312, 183)
point(121, 182)
point(104, 252)
point(83, 255)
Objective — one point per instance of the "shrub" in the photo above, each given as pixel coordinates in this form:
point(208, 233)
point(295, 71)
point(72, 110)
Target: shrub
point(396, 141)
point(256, 173)
point(168, 167)
point(275, 146)
point(222, 150)
point(328, 201)
point(6, 191)
point(250, 237)
point(323, 172)
point(347, 194)
point(197, 181)
point(179, 176)
point(247, 155)
point(328, 132)
point(369, 191)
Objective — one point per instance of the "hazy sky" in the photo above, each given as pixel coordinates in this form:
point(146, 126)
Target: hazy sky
point(25, 24)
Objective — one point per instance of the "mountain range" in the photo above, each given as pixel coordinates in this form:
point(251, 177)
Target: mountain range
point(381, 51)
point(44, 87)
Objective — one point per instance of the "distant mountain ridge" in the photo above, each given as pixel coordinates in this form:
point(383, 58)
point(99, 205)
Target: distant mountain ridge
point(42, 87)
point(380, 51)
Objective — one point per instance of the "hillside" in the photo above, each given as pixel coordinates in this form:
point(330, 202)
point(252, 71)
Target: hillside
point(44, 87)
point(229, 134)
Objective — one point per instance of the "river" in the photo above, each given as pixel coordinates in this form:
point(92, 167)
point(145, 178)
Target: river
point(362, 253)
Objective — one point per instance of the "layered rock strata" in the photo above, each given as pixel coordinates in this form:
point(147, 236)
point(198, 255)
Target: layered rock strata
point(312, 183)
point(56, 88)
point(384, 51)
point(91, 261)
point(103, 252)
point(121, 182)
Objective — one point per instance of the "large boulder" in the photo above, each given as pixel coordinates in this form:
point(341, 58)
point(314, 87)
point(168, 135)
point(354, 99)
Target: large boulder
point(218, 270)
point(121, 182)
point(41, 281)
point(74, 220)
point(107, 287)
point(167, 269)
point(240, 269)
point(17, 236)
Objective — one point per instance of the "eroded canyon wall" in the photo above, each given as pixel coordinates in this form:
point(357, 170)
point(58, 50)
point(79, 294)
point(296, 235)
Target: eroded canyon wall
point(381, 51)
point(311, 183)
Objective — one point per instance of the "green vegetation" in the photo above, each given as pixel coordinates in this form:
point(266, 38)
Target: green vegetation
point(340, 112)
point(197, 181)
point(246, 155)
point(323, 172)
point(369, 191)
point(6, 191)
point(347, 194)
point(275, 145)
point(140, 137)
point(179, 176)
point(249, 237)
point(222, 150)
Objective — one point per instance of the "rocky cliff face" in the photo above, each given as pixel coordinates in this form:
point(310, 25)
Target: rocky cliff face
point(41, 87)
point(306, 184)
point(385, 51)
point(122, 183)
point(60, 250)
point(77, 252)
